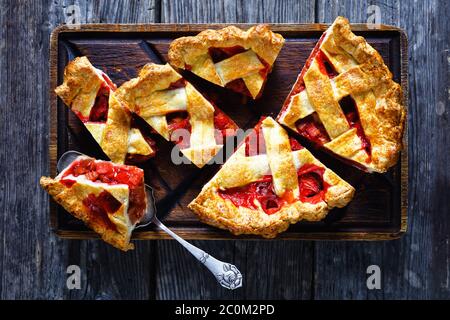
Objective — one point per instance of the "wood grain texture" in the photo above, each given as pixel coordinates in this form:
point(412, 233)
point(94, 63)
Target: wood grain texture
point(416, 266)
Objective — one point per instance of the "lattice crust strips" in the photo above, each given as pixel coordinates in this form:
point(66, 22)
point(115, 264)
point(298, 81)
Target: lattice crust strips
point(151, 96)
point(363, 75)
point(79, 90)
point(280, 162)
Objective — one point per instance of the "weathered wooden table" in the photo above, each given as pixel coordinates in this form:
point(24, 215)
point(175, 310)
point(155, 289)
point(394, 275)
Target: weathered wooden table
point(34, 261)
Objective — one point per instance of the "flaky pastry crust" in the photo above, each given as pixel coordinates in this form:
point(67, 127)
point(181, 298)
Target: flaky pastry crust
point(151, 78)
point(239, 170)
point(260, 39)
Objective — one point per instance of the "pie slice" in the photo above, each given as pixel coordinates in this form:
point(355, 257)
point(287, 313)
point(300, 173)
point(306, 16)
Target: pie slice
point(110, 198)
point(345, 101)
point(90, 95)
point(270, 182)
point(229, 57)
point(177, 111)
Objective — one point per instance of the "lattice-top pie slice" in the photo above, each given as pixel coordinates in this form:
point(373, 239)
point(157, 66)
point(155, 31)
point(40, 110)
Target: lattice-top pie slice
point(177, 111)
point(229, 57)
point(110, 198)
point(268, 183)
point(345, 101)
point(90, 95)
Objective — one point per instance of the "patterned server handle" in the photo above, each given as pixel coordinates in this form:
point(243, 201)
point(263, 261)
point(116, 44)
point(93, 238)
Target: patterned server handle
point(226, 274)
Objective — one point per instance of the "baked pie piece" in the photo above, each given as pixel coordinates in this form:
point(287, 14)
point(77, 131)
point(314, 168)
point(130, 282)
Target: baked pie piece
point(90, 95)
point(177, 111)
point(345, 101)
point(229, 57)
point(270, 182)
point(110, 198)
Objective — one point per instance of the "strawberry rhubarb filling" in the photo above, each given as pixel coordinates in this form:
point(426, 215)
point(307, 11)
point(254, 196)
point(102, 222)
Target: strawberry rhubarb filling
point(106, 172)
point(261, 193)
point(238, 85)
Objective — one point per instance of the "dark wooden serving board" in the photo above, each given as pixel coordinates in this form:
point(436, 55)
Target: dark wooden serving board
point(379, 208)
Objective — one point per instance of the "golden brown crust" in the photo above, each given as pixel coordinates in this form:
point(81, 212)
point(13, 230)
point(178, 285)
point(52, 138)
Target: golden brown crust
point(81, 82)
point(383, 122)
point(362, 74)
point(240, 170)
point(71, 200)
point(115, 135)
point(152, 97)
point(212, 209)
point(260, 42)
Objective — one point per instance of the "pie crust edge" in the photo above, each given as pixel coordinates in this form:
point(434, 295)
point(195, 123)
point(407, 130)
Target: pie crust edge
point(264, 42)
point(387, 140)
point(212, 209)
point(64, 197)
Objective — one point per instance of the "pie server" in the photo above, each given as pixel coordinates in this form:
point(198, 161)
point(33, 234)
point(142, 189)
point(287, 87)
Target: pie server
point(226, 274)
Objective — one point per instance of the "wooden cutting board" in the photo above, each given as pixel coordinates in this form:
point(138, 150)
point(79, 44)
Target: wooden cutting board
point(379, 208)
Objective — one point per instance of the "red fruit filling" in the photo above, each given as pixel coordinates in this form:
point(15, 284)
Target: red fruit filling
point(311, 184)
point(99, 112)
point(295, 145)
point(107, 172)
point(325, 65)
point(99, 207)
point(237, 85)
point(179, 128)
